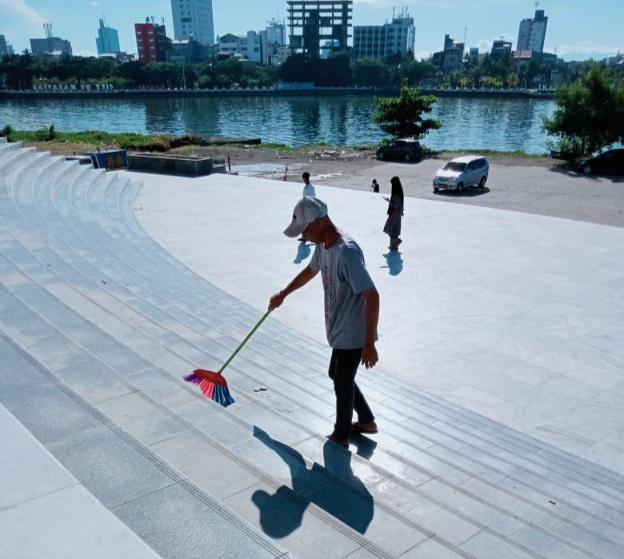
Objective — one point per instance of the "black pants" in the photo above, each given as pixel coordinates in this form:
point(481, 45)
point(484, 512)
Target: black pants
point(343, 366)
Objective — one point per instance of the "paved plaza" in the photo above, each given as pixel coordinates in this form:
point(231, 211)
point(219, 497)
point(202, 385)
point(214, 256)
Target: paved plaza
point(499, 392)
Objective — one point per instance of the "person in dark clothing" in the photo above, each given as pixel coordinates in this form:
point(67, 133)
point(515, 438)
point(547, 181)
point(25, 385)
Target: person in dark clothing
point(392, 228)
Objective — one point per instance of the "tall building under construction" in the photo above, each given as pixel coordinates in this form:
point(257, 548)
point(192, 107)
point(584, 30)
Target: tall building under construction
point(320, 28)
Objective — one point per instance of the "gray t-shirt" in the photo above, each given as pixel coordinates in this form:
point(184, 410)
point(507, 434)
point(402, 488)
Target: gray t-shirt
point(344, 276)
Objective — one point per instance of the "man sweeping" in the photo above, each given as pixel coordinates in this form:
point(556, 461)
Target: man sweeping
point(351, 311)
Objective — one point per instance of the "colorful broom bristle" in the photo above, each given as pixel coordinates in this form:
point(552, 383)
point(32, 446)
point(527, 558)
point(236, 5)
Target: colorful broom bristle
point(212, 385)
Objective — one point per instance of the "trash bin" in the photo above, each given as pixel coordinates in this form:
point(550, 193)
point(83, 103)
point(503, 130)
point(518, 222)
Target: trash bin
point(110, 159)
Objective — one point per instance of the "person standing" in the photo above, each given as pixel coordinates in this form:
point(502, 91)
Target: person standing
point(308, 190)
point(392, 226)
point(351, 311)
point(308, 187)
point(374, 186)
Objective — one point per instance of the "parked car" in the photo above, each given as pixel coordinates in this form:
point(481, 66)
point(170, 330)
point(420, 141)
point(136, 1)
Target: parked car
point(405, 149)
point(610, 162)
point(459, 173)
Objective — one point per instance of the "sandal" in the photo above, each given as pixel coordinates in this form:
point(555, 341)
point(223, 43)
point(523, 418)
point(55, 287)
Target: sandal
point(367, 428)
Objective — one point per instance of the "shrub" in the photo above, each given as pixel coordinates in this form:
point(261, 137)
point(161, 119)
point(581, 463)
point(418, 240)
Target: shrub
point(7, 131)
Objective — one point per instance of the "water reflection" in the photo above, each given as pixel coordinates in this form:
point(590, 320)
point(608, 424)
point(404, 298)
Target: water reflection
point(498, 124)
point(202, 118)
point(338, 118)
point(162, 116)
point(305, 117)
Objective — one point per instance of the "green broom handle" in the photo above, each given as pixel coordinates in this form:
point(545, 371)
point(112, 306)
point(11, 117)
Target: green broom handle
point(245, 340)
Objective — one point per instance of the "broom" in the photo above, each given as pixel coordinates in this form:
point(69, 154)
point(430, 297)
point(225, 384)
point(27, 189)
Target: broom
point(213, 384)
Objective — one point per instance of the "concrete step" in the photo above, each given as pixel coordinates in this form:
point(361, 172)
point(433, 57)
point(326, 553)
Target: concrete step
point(169, 512)
point(293, 437)
point(15, 159)
point(40, 489)
point(533, 453)
point(99, 296)
point(6, 147)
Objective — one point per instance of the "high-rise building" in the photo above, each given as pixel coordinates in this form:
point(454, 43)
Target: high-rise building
point(451, 59)
point(107, 40)
point(193, 19)
point(379, 41)
point(315, 23)
point(51, 46)
point(188, 52)
point(532, 33)
point(272, 41)
point(152, 41)
point(500, 48)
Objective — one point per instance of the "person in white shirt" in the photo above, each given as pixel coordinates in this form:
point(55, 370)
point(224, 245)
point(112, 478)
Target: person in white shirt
point(308, 190)
point(308, 187)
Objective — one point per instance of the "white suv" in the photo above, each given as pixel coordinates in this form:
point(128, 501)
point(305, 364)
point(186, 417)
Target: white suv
point(470, 170)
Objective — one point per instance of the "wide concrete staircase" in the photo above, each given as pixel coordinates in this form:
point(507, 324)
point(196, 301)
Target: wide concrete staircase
point(98, 324)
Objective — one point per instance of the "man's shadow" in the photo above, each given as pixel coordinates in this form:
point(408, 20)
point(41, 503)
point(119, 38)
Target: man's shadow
point(303, 251)
point(333, 488)
point(394, 261)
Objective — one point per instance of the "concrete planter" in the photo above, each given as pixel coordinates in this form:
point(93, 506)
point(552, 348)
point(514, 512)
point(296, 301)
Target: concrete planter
point(174, 164)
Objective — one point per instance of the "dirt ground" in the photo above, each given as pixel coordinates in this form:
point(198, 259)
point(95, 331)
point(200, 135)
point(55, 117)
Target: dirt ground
point(323, 160)
point(537, 185)
point(319, 160)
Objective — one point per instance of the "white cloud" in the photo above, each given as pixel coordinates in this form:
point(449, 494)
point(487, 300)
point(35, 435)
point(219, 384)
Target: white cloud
point(422, 55)
point(21, 10)
point(84, 53)
point(484, 45)
point(586, 48)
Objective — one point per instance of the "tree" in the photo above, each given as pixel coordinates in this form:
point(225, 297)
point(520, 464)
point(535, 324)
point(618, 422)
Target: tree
point(370, 72)
point(588, 116)
point(21, 71)
point(134, 73)
point(330, 72)
point(619, 116)
point(416, 71)
point(402, 116)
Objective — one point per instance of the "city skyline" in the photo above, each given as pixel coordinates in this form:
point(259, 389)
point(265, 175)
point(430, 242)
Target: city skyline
point(576, 30)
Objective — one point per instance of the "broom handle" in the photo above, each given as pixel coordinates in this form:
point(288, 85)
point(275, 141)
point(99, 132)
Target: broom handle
point(244, 341)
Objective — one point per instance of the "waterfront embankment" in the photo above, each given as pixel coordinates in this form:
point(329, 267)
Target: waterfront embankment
point(96, 93)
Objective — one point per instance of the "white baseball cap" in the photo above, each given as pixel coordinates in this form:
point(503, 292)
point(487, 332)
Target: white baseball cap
point(307, 210)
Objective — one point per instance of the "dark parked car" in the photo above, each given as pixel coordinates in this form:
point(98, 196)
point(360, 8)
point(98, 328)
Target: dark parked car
point(610, 162)
point(405, 149)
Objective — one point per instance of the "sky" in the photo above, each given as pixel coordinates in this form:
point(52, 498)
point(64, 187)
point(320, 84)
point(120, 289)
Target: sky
point(577, 30)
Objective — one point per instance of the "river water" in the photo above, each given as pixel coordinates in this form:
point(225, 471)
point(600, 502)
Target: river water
point(467, 123)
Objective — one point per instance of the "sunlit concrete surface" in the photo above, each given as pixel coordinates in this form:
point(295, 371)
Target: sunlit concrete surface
point(515, 316)
point(498, 394)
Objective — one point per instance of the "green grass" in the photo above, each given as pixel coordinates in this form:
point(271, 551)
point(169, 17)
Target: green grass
point(92, 137)
point(486, 152)
point(188, 142)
